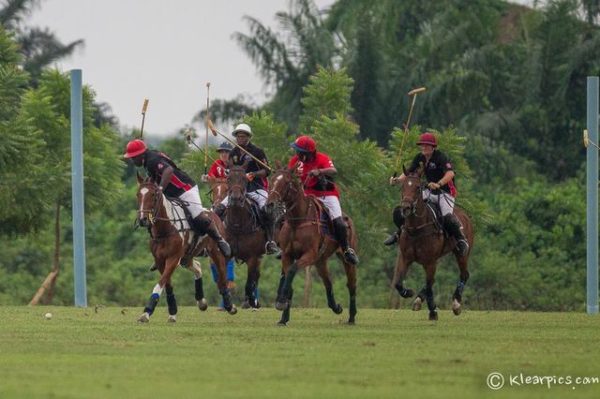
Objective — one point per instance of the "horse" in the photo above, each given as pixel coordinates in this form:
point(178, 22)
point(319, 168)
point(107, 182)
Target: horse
point(172, 242)
point(243, 232)
point(218, 189)
point(423, 240)
point(304, 242)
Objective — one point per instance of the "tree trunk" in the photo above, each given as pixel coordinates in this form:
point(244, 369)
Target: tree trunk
point(307, 286)
point(50, 280)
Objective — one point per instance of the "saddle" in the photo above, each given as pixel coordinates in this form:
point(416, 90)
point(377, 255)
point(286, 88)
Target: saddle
point(183, 221)
point(236, 227)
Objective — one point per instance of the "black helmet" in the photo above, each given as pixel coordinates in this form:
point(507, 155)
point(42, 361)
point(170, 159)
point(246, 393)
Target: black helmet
point(224, 146)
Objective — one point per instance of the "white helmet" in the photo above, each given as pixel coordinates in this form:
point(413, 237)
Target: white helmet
point(242, 127)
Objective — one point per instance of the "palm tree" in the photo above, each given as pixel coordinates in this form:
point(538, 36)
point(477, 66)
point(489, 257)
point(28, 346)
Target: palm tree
point(286, 60)
point(39, 47)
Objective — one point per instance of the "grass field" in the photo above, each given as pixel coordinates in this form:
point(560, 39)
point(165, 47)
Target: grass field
point(81, 353)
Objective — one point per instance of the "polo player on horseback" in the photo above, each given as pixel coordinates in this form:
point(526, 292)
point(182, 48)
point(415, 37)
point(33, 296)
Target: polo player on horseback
point(440, 190)
point(175, 183)
point(256, 174)
point(316, 171)
point(218, 170)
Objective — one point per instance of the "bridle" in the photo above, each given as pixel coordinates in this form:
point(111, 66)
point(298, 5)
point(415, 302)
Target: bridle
point(412, 205)
point(289, 190)
point(153, 212)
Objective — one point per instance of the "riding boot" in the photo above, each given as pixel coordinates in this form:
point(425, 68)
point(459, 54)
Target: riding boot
point(267, 224)
point(219, 210)
point(398, 221)
point(204, 225)
point(453, 227)
point(341, 235)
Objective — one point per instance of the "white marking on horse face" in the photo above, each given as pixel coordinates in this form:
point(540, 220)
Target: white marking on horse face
point(143, 193)
point(280, 177)
point(410, 183)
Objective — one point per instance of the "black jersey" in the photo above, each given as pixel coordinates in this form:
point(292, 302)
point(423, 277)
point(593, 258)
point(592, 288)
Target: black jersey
point(238, 157)
point(156, 162)
point(435, 169)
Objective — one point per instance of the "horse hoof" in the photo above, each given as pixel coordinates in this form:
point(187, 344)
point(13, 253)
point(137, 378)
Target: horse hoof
point(417, 304)
point(144, 318)
point(351, 322)
point(172, 318)
point(281, 324)
point(233, 310)
point(202, 304)
point(281, 306)
point(337, 309)
point(433, 316)
point(246, 304)
point(456, 307)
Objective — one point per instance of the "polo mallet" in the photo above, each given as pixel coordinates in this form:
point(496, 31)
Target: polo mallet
point(207, 118)
point(215, 132)
point(587, 141)
point(188, 139)
point(413, 93)
point(144, 109)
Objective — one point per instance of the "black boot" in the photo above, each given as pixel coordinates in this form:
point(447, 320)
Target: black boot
point(219, 210)
point(268, 226)
point(204, 225)
point(453, 227)
point(398, 221)
point(341, 234)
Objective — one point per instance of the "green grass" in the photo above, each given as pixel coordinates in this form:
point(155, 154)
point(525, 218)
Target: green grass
point(81, 353)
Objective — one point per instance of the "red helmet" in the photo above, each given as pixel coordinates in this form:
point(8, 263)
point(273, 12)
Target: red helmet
point(427, 138)
point(134, 148)
point(304, 144)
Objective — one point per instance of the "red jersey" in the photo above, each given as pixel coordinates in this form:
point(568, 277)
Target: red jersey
point(217, 169)
point(315, 185)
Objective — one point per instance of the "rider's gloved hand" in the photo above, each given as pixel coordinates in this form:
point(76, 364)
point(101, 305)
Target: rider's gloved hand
point(250, 176)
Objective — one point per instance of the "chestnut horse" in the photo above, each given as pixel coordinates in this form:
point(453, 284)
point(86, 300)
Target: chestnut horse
point(243, 232)
point(304, 243)
point(422, 240)
point(171, 244)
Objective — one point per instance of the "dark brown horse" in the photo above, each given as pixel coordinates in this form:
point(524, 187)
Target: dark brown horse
point(243, 232)
point(422, 240)
point(304, 243)
point(172, 243)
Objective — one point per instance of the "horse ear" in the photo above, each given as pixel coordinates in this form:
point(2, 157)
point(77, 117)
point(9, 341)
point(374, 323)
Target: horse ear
point(277, 164)
point(139, 178)
point(404, 170)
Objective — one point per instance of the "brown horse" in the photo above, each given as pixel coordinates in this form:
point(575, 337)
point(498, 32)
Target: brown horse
point(304, 243)
point(218, 189)
point(172, 243)
point(243, 232)
point(422, 240)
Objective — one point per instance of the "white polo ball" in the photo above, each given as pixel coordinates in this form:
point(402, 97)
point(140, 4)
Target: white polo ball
point(48, 316)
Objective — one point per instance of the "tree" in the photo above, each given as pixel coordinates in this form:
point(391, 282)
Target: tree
point(286, 60)
point(48, 109)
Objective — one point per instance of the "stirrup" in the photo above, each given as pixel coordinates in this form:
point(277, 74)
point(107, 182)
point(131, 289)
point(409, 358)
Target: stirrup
point(224, 248)
point(271, 248)
point(462, 247)
point(392, 239)
point(350, 256)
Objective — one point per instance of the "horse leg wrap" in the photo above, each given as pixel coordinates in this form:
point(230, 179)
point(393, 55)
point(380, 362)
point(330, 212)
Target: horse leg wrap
point(171, 301)
point(330, 299)
point(352, 310)
point(429, 297)
point(153, 301)
point(226, 299)
point(151, 305)
point(199, 294)
point(459, 290)
point(289, 279)
point(280, 287)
